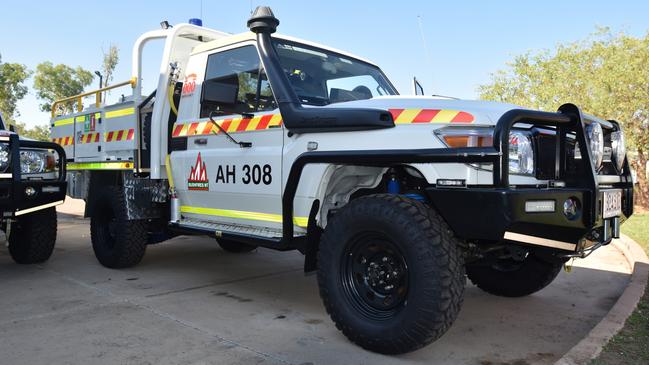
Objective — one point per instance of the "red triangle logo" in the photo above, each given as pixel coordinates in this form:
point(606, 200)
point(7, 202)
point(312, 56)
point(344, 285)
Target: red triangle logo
point(198, 176)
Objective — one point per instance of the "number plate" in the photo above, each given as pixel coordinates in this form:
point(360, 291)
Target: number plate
point(612, 203)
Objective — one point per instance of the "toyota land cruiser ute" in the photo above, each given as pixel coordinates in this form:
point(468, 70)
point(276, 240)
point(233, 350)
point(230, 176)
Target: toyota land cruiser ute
point(32, 183)
point(263, 140)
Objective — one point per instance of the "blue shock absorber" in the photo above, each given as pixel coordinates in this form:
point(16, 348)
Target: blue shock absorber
point(393, 185)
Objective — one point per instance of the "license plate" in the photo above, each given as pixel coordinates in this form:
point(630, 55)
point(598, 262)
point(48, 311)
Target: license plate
point(612, 203)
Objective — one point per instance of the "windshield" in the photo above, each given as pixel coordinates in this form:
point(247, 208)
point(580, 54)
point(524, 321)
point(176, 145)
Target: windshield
point(321, 77)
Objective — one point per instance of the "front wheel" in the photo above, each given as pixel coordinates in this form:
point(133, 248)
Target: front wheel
point(116, 241)
point(515, 274)
point(32, 237)
point(390, 275)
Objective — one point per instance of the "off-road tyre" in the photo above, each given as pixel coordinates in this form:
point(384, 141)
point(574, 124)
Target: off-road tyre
point(411, 235)
point(529, 276)
point(32, 237)
point(234, 247)
point(116, 241)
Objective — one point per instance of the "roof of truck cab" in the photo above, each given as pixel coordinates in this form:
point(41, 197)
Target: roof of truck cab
point(250, 36)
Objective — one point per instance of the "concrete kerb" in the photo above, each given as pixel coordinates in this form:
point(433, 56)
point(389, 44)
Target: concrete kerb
point(591, 346)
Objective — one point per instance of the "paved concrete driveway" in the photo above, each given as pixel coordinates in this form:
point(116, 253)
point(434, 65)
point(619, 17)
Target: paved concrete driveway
point(190, 302)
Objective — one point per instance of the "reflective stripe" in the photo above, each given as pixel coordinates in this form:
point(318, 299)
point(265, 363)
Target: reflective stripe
point(266, 217)
point(540, 241)
point(119, 135)
point(63, 141)
point(92, 137)
point(100, 165)
point(412, 116)
point(257, 123)
point(40, 207)
point(119, 113)
point(65, 121)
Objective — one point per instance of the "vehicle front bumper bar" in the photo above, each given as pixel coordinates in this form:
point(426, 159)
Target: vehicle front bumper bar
point(14, 186)
point(492, 214)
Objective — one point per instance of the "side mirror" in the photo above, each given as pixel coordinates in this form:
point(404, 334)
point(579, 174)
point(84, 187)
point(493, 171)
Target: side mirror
point(417, 89)
point(222, 91)
point(12, 128)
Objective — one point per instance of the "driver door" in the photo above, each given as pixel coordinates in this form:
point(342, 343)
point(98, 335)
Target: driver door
point(217, 179)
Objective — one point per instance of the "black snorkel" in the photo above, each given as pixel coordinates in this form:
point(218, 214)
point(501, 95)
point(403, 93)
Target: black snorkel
point(296, 118)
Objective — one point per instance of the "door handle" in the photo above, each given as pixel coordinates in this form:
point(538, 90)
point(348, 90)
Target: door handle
point(201, 141)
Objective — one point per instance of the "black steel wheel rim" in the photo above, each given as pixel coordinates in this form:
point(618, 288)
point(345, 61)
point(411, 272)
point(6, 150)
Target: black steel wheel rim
point(374, 276)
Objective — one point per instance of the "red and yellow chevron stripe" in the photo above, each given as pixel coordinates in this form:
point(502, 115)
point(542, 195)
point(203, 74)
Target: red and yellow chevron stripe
point(63, 141)
point(91, 137)
point(401, 116)
point(408, 116)
point(257, 123)
point(120, 135)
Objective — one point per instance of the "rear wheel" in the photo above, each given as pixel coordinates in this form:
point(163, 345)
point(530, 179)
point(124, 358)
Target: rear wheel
point(32, 237)
point(234, 247)
point(116, 241)
point(516, 274)
point(390, 273)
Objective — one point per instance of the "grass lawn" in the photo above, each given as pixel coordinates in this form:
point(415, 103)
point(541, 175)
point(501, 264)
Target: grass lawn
point(631, 345)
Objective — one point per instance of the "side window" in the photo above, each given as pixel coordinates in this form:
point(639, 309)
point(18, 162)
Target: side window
point(233, 84)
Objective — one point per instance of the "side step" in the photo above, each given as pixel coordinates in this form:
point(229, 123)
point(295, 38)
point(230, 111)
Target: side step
point(264, 237)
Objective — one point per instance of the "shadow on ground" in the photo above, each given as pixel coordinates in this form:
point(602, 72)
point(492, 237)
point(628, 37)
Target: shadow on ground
point(190, 302)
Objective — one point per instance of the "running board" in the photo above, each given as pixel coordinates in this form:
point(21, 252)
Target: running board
point(255, 236)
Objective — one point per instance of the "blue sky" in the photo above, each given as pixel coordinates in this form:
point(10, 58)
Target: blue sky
point(467, 40)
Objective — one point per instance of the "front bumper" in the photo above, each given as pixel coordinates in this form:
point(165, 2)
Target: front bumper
point(20, 195)
point(488, 214)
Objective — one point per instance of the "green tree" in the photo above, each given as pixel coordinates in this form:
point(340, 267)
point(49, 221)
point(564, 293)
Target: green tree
point(38, 132)
point(58, 82)
point(110, 61)
point(12, 88)
point(606, 75)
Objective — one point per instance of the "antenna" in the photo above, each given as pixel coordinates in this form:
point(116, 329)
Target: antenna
point(428, 58)
point(250, 7)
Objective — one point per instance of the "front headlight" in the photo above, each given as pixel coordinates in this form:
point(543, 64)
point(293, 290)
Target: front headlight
point(4, 156)
point(595, 136)
point(35, 161)
point(521, 151)
point(521, 154)
point(619, 149)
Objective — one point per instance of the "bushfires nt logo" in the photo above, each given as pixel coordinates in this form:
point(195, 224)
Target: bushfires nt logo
point(198, 176)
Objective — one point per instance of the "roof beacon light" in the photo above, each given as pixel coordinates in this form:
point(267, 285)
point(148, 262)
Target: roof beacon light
point(195, 21)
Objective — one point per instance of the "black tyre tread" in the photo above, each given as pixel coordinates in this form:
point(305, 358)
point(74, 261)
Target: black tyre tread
point(132, 235)
point(534, 275)
point(433, 318)
point(33, 236)
point(234, 246)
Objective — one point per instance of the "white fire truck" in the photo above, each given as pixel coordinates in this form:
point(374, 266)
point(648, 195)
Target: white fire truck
point(264, 140)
